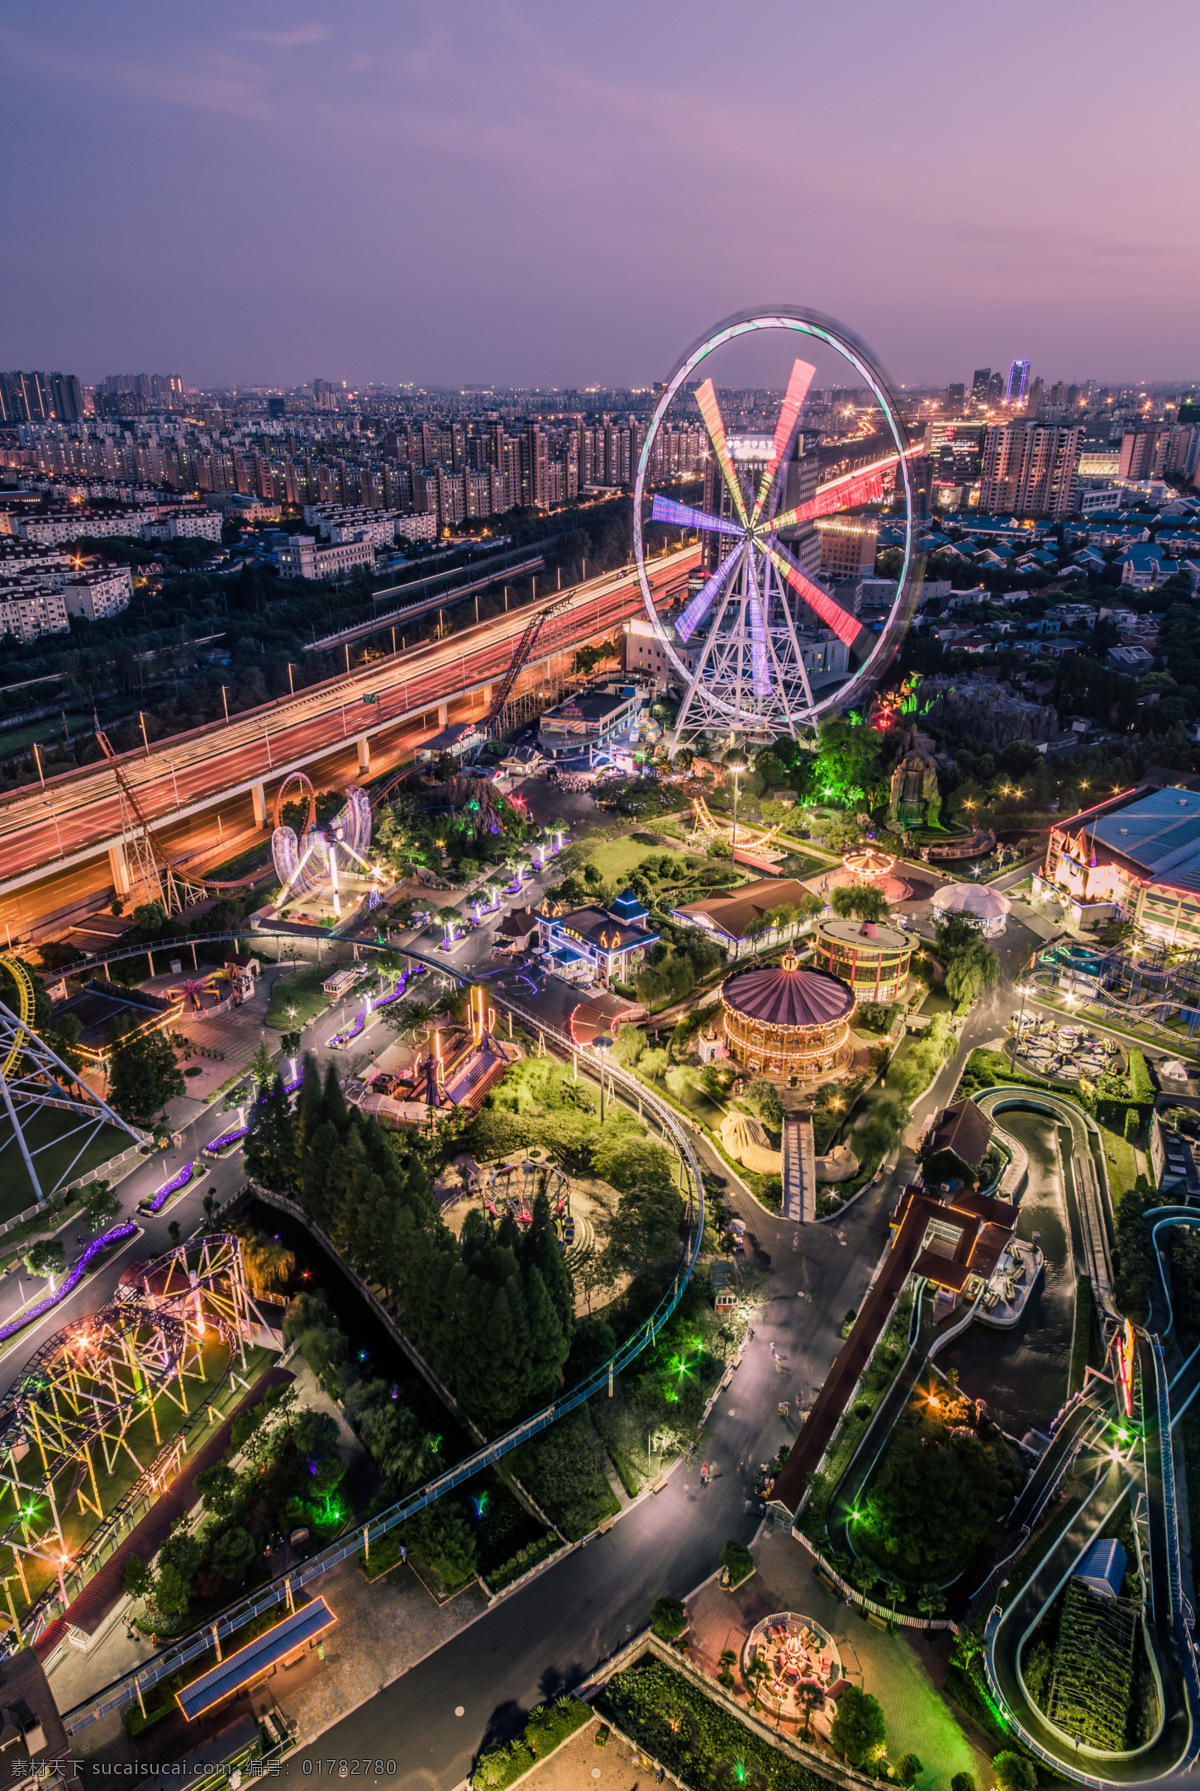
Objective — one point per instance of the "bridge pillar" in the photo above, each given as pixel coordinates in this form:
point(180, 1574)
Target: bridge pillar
point(443, 715)
point(258, 796)
point(119, 867)
point(364, 755)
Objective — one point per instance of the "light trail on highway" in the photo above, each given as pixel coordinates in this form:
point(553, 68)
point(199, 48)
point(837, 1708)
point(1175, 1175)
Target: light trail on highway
point(80, 811)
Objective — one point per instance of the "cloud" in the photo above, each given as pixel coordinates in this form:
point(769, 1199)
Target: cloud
point(296, 38)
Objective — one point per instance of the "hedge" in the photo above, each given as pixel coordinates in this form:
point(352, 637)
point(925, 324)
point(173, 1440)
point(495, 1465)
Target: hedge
point(698, 1740)
point(549, 1725)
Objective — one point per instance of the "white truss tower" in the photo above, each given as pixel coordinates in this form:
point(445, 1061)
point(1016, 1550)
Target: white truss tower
point(34, 1081)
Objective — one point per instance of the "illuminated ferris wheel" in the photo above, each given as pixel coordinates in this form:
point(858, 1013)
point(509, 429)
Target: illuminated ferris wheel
point(763, 647)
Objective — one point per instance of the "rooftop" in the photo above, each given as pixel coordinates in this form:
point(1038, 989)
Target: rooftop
point(736, 909)
point(789, 996)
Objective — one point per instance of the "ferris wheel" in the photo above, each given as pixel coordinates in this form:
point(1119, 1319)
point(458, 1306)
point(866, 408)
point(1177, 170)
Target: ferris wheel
point(763, 648)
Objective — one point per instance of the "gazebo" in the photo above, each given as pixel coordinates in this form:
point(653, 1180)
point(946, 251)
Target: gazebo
point(976, 902)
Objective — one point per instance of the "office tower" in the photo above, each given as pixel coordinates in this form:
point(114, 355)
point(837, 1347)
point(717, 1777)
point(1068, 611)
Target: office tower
point(1018, 379)
point(1029, 470)
point(956, 397)
point(995, 391)
point(979, 384)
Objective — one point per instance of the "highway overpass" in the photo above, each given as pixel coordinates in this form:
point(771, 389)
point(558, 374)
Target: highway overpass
point(209, 790)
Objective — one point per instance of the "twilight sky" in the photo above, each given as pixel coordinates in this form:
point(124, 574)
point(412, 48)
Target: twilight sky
point(533, 191)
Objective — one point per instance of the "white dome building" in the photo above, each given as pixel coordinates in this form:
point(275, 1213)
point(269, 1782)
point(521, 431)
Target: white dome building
point(975, 902)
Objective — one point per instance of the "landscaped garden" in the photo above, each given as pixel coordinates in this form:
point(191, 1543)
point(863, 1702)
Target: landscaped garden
point(943, 1483)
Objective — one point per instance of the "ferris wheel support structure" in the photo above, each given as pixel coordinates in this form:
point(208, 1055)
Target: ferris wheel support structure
point(749, 675)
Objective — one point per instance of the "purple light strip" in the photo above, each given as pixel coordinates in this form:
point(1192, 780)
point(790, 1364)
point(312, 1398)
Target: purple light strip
point(71, 1281)
point(759, 656)
point(218, 1144)
point(172, 1187)
point(695, 611)
point(682, 516)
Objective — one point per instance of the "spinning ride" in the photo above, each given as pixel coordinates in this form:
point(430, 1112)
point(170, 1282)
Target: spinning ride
point(736, 646)
point(325, 858)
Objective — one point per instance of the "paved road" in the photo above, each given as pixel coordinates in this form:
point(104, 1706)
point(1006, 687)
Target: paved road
point(556, 1629)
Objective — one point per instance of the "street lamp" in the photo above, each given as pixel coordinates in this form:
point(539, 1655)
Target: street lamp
point(1025, 990)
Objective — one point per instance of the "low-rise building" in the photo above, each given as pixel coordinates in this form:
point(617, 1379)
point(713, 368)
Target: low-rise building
point(589, 719)
point(305, 558)
point(583, 944)
point(736, 918)
point(874, 959)
point(1135, 858)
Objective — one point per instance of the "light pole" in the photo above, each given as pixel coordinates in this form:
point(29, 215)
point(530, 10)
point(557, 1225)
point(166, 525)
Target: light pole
point(1012, 1062)
point(736, 762)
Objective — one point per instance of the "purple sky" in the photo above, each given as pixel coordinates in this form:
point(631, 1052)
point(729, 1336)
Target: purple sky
point(555, 193)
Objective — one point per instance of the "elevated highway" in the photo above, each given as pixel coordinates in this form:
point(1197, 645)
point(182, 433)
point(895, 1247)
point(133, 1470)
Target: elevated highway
point(64, 846)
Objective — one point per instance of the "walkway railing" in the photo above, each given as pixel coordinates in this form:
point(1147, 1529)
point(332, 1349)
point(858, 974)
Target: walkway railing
point(200, 1642)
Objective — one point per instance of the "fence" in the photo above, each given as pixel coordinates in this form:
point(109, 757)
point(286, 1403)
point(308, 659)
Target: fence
point(136, 1684)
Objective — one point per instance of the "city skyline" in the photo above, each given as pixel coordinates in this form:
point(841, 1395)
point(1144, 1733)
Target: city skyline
point(538, 201)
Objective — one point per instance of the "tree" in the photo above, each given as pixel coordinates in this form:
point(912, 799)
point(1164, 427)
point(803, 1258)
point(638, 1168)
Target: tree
point(858, 901)
point(144, 1076)
point(46, 1257)
point(668, 1619)
point(908, 1766)
point(1013, 1772)
point(858, 1729)
point(737, 1560)
point(763, 1096)
point(137, 1580)
point(962, 1781)
point(218, 1486)
point(260, 1066)
point(232, 1554)
point(99, 1204)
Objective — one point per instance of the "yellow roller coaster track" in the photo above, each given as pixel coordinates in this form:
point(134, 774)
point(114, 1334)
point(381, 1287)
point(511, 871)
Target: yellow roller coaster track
point(748, 840)
point(24, 984)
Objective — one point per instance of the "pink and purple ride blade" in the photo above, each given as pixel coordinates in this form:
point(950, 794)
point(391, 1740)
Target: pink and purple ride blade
point(710, 410)
point(697, 608)
point(682, 516)
point(785, 428)
point(844, 625)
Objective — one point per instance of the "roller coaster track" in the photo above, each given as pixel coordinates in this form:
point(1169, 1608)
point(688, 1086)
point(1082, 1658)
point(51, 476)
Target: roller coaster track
point(81, 1392)
point(156, 854)
point(25, 995)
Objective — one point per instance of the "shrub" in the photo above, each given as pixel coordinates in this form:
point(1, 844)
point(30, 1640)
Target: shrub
point(858, 1728)
point(549, 1725)
point(737, 1561)
point(1013, 1772)
point(668, 1619)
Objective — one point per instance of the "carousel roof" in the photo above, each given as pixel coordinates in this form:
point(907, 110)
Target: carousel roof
point(974, 899)
point(784, 996)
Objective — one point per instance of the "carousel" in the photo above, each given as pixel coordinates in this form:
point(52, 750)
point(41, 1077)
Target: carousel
point(869, 867)
point(787, 1023)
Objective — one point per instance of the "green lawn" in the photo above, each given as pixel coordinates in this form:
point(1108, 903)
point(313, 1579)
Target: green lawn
point(55, 1160)
point(301, 989)
point(619, 858)
point(1122, 1172)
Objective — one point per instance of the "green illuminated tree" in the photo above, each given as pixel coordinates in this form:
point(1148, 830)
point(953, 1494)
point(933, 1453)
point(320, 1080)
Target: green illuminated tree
point(46, 1257)
point(668, 1619)
point(1013, 1772)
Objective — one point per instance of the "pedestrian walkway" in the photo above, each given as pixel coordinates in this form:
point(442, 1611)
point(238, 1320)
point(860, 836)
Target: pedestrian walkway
point(799, 1169)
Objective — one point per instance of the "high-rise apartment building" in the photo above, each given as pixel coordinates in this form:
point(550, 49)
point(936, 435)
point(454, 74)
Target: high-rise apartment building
point(980, 380)
point(40, 398)
point(1029, 470)
point(1143, 452)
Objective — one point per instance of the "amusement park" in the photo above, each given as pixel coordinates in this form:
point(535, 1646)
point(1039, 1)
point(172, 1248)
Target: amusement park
point(658, 1122)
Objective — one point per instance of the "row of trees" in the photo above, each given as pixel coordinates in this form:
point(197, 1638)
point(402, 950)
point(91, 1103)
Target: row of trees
point(492, 1310)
